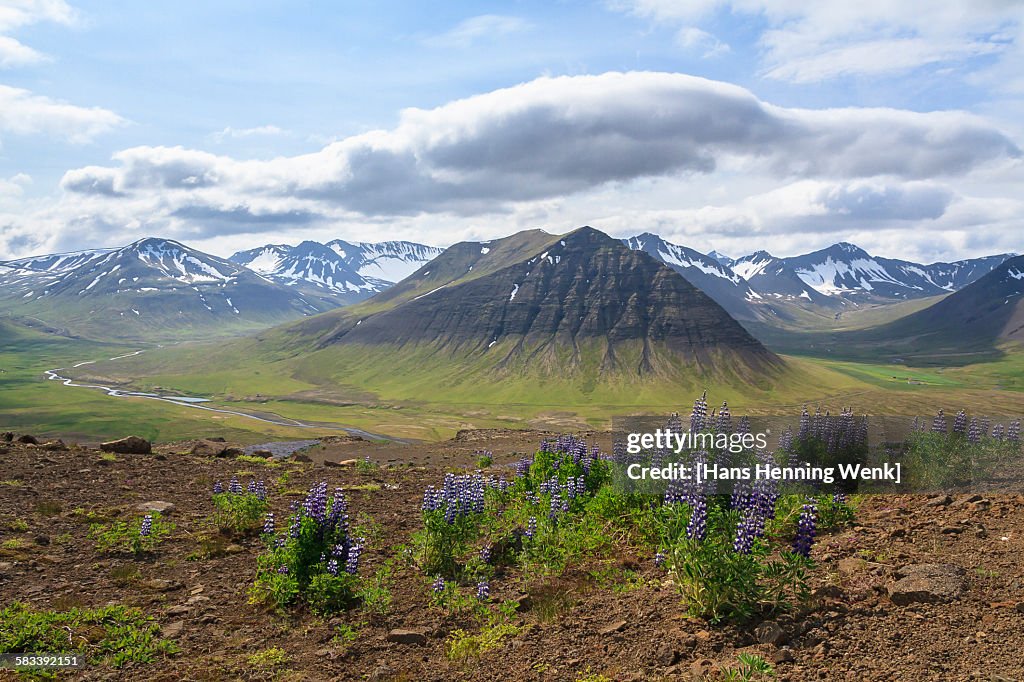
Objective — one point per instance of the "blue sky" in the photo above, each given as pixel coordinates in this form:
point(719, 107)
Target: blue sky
point(728, 125)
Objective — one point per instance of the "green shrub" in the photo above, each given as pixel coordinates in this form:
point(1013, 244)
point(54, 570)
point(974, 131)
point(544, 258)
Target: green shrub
point(137, 536)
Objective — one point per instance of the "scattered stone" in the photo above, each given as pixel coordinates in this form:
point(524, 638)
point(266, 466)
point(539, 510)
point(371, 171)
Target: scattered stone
point(265, 454)
point(382, 674)
point(701, 668)
point(234, 549)
point(54, 446)
point(160, 584)
point(400, 636)
point(981, 505)
point(42, 540)
point(665, 655)
point(231, 452)
point(952, 530)
point(828, 592)
point(930, 583)
point(28, 439)
point(8, 436)
point(768, 632)
point(174, 629)
point(940, 501)
point(964, 501)
point(180, 610)
point(132, 445)
point(164, 508)
point(342, 463)
point(783, 655)
point(217, 439)
point(198, 599)
point(612, 627)
point(299, 457)
point(5, 566)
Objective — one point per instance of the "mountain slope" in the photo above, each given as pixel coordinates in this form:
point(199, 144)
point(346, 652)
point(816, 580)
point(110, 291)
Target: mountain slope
point(982, 315)
point(582, 303)
point(150, 288)
point(724, 286)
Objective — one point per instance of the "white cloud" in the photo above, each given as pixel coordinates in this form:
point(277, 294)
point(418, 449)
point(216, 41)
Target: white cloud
point(621, 151)
point(15, 14)
point(693, 38)
point(474, 29)
point(238, 133)
point(25, 113)
point(814, 41)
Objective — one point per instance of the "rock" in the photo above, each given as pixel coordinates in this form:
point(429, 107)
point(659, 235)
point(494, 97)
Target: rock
point(963, 502)
point(8, 436)
point(305, 459)
point(180, 610)
point(400, 636)
point(952, 530)
point(940, 501)
point(132, 445)
point(768, 632)
point(27, 439)
point(42, 540)
point(217, 439)
point(160, 585)
point(174, 629)
point(234, 549)
point(665, 655)
point(783, 655)
point(231, 452)
point(265, 454)
point(54, 446)
point(210, 447)
point(382, 674)
point(198, 599)
point(5, 567)
point(612, 627)
point(702, 668)
point(930, 583)
point(851, 566)
point(1020, 607)
point(164, 508)
point(828, 592)
point(342, 463)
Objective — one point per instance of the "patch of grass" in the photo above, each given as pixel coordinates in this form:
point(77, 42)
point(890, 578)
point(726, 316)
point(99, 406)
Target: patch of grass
point(18, 525)
point(269, 462)
point(131, 536)
point(12, 482)
point(269, 658)
point(14, 543)
point(364, 487)
point(48, 508)
point(108, 457)
point(111, 635)
point(748, 668)
point(461, 645)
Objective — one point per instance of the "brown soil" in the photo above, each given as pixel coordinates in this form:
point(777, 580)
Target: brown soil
point(852, 631)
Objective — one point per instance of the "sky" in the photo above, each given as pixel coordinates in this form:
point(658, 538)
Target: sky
point(729, 125)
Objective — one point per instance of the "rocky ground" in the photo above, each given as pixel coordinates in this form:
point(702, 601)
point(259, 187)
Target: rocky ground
point(919, 588)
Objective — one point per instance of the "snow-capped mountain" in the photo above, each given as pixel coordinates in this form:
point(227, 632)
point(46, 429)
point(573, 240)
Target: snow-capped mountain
point(724, 286)
point(847, 270)
point(353, 271)
point(773, 279)
point(145, 286)
point(721, 258)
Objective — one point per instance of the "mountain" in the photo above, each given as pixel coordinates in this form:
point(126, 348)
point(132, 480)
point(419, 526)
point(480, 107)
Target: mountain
point(981, 316)
point(724, 286)
point(150, 288)
point(849, 271)
point(720, 258)
point(348, 271)
point(773, 279)
point(579, 305)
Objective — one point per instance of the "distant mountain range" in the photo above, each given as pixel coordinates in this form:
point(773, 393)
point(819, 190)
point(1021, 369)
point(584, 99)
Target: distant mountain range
point(158, 287)
point(349, 271)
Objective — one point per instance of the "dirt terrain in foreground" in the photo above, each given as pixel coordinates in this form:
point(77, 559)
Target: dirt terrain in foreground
point(197, 590)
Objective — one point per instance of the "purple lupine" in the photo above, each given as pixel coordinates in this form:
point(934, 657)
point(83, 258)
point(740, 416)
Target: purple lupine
point(697, 526)
point(268, 524)
point(805, 530)
point(483, 590)
point(724, 424)
point(839, 498)
point(282, 569)
point(218, 488)
point(261, 490)
point(1013, 431)
point(746, 531)
point(741, 495)
point(352, 562)
point(531, 527)
point(699, 414)
point(234, 487)
point(939, 423)
point(960, 422)
point(659, 559)
point(332, 567)
point(997, 432)
point(147, 526)
point(439, 585)
point(974, 431)
point(485, 554)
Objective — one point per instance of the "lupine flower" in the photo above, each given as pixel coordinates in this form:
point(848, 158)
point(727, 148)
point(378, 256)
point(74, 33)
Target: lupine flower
point(283, 570)
point(659, 559)
point(805, 530)
point(699, 414)
point(234, 486)
point(147, 526)
point(745, 532)
point(332, 567)
point(1013, 431)
point(839, 498)
point(439, 585)
point(997, 432)
point(531, 527)
point(218, 488)
point(960, 422)
point(268, 524)
point(974, 431)
point(697, 526)
point(483, 590)
point(724, 424)
point(939, 423)
point(485, 554)
point(352, 563)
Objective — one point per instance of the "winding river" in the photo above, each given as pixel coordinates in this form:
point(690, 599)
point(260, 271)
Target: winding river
point(197, 403)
